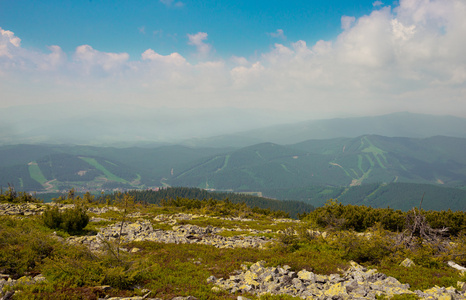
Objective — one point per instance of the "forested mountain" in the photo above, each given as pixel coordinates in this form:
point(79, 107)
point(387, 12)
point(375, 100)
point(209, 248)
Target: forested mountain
point(56, 167)
point(354, 170)
point(293, 208)
point(402, 196)
point(334, 162)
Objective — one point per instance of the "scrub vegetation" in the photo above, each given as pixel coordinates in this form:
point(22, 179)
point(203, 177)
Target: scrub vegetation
point(324, 241)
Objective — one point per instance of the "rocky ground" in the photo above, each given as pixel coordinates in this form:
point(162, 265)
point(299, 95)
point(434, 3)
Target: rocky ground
point(356, 282)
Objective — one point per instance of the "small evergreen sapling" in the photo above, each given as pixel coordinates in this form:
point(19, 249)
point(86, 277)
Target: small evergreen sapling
point(70, 220)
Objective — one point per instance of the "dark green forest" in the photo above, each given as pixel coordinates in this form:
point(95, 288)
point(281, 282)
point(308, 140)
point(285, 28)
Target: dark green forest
point(402, 196)
point(293, 208)
point(371, 170)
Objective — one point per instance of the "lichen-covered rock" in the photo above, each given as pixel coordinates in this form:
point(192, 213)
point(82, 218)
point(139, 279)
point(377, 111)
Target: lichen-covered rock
point(6, 281)
point(23, 209)
point(181, 234)
point(407, 263)
point(355, 283)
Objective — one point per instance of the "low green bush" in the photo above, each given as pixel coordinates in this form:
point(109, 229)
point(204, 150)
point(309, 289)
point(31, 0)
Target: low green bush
point(372, 247)
point(334, 215)
point(70, 220)
point(12, 196)
point(23, 246)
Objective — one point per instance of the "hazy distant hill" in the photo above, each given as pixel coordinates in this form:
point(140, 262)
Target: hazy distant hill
point(402, 196)
point(354, 170)
point(123, 125)
point(334, 162)
point(53, 167)
point(391, 125)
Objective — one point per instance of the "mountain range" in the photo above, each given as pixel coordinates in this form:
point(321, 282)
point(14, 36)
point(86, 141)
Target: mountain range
point(142, 127)
point(360, 169)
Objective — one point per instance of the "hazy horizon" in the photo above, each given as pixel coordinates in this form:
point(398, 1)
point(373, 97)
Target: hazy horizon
point(200, 68)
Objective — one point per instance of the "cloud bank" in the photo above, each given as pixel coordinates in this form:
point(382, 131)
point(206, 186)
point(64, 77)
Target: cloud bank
point(404, 58)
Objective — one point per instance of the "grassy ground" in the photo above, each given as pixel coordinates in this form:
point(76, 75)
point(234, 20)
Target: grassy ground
point(36, 173)
point(27, 247)
point(108, 174)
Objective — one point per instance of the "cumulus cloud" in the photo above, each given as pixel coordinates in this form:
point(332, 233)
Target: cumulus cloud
point(279, 34)
point(346, 22)
point(243, 76)
point(409, 58)
point(89, 59)
point(239, 60)
point(8, 42)
point(174, 58)
point(198, 40)
point(377, 3)
point(55, 60)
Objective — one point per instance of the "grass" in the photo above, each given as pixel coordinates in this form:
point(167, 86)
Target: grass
point(169, 270)
point(36, 173)
point(225, 163)
point(375, 151)
point(107, 173)
point(419, 277)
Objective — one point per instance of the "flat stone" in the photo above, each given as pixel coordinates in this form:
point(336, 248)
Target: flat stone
point(407, 263)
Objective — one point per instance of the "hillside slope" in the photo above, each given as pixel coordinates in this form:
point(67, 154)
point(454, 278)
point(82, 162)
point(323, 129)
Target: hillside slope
point(334, 162)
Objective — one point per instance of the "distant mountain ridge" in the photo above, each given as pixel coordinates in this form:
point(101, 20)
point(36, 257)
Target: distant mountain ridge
point(403, 196)
point(313, 170)
point(333, 162)
point(401, 124)
point(82, 125)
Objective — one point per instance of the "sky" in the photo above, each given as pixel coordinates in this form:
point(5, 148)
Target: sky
point(281, 60)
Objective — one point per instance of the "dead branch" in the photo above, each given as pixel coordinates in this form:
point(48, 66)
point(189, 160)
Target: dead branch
point(417, 230)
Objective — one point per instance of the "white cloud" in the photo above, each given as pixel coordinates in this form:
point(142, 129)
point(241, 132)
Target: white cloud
point(198, 40)
point(8, 42)
point(410, 58)
point(377, 3)
point(173, 59)
point(346, 22)
point(239, 60)
point(402, 32)
point(56, 59)
point(279, 34)
point(91, 60)
point(366, 43)
point(243, 76)
point(322, 47)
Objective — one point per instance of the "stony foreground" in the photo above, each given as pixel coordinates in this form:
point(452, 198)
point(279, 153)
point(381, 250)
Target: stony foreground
point(180, 234)
point(355, 283)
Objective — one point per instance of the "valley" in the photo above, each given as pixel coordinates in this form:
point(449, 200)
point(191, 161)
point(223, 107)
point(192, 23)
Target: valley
point(342, 167)
point(287, 162)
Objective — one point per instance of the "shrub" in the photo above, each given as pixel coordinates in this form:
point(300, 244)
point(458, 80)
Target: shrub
point(12, 196)
point(71, 220)
point(334, 215)
point(23, 246)
point(121, 277)
point(372, 247)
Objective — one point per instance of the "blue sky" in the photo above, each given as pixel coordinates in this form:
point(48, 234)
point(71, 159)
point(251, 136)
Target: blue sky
point(234, 27)
point(271, 61)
